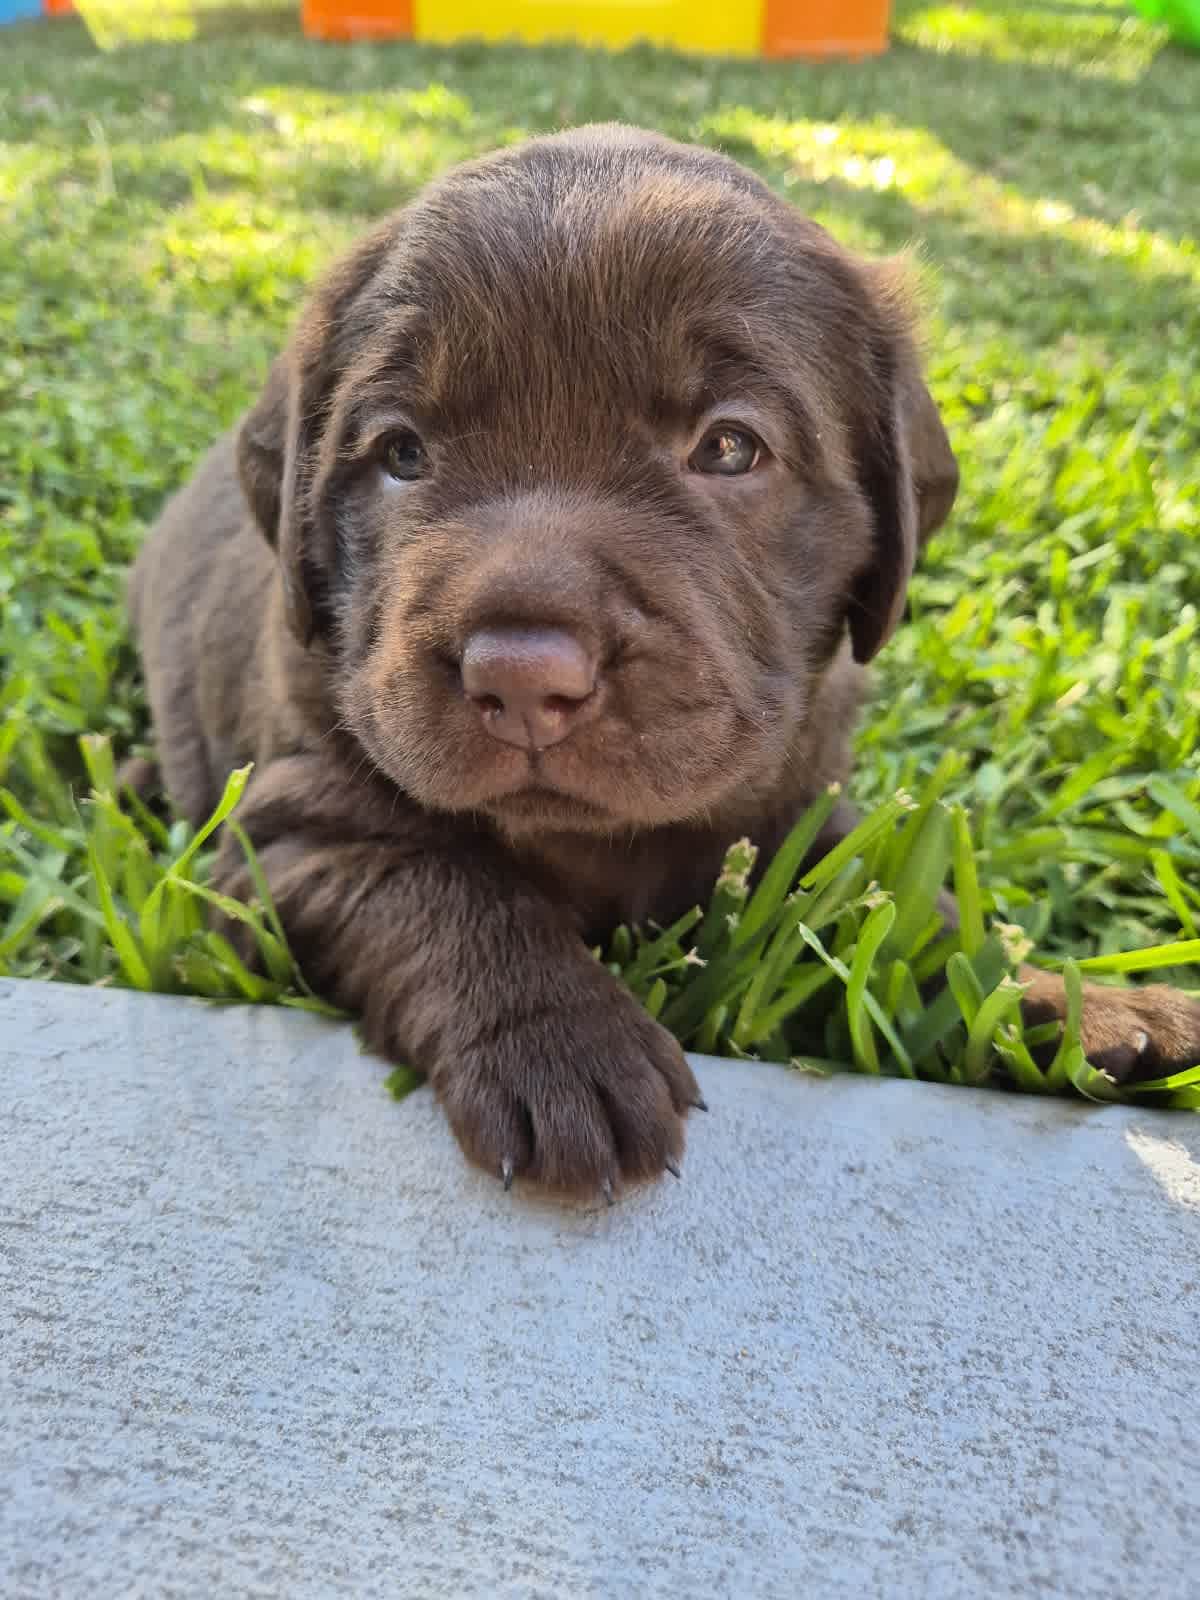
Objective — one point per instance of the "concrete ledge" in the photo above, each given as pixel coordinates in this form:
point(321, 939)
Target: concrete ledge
point(262, 1332)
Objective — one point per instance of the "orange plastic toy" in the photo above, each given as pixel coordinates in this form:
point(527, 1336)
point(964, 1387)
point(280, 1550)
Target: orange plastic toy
point(825, 27)
point(812, 28)
point(357, 19)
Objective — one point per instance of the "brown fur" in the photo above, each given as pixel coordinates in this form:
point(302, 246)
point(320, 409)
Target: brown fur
point(557, 323)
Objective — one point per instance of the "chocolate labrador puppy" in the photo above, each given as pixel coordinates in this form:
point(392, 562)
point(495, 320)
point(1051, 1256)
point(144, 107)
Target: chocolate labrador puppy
point(546, 565)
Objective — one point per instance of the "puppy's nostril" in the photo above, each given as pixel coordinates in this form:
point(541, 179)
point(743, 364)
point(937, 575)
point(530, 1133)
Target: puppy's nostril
point(559, 705)
point(530, 685)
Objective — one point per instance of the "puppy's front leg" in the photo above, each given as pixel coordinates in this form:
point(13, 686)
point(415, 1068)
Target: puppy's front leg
point(546, 1066)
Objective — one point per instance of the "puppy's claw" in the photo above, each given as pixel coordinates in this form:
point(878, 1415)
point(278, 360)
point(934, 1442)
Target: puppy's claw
point(506, 1173)
point(699, 1103)
point(673, 1168)
point(606, 1189)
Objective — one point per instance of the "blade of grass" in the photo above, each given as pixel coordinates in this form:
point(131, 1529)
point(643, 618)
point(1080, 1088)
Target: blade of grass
point(1039, 844)
point(1173, 799)
point(1087, 1081)
point(966, 988)
point(943, 1014)
point(314, 1004)
point(859, 839)
point(276, 952)
point(721, 982)
point(871, 936)
point(99, 762)
point(656, 998)
point(777, 880)
point(971, 930)
point(709, 1034)
point(1184, 953)
point(128, 951)
point(934, 958)
point(37, 905)
point(1014, 1050)
point(660, 948)
point(869, 1002)
point(1004, 999)
point(1084, 778)
point(1189, 1077)
point(728, 899)
point(824, 905)
point(1064, 1065)
point(792, 998)
point(919, 881)
point(54, 838)
point(899, 849)
point(35, 869)
point(231, 795)
point(153, 827)
point(231, 964)
point(903, 998)
point(1173, 889)
point(151, 912)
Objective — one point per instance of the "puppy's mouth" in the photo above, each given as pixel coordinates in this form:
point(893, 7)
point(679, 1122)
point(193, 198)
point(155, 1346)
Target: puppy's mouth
point(613, 772)
point(538, 801)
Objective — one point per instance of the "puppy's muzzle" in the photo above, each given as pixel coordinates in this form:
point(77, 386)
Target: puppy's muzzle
point(532, 687)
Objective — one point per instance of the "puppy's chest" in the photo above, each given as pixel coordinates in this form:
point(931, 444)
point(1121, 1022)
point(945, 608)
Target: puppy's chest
point(653, 878)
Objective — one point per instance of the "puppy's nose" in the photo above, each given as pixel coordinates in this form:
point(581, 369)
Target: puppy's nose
point(531, 685)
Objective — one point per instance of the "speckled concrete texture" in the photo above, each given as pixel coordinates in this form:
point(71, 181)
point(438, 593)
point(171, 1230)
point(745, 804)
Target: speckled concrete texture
point(262, 1333)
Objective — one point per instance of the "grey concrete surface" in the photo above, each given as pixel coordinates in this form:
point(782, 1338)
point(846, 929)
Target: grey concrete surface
point(262, 1333)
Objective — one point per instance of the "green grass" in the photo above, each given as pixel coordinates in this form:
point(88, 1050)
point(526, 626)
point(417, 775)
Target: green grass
point(165, 207)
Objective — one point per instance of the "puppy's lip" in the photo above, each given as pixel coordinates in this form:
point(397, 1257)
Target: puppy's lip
point(536, 794)
point(546, 805)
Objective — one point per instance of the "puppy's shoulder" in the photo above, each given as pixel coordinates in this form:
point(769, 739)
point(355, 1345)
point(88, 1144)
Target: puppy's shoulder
point(204, 525)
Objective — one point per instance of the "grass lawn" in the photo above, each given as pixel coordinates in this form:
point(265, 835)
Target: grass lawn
point(165, 207)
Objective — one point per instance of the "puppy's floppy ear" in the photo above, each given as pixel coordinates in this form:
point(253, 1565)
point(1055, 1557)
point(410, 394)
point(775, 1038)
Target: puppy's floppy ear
point(270, 442)
point(261, 444)
point(278, 443)
point(906, 467)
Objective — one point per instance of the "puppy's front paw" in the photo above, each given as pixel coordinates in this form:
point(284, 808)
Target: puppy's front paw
point(578, 1097)
point(1140, 1033)
point(1128, 1034)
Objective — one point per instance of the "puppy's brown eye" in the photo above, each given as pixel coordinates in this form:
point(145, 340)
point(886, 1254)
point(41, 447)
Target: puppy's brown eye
point(726, 451)
point(404, 457)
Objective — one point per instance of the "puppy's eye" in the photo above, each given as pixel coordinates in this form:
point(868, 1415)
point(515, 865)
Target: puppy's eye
point(404, 457)
point(726, 451)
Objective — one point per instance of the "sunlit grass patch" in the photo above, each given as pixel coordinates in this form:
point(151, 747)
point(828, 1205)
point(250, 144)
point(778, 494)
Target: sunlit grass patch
point(1099, 39)
point(917, 164)
point(132, 22)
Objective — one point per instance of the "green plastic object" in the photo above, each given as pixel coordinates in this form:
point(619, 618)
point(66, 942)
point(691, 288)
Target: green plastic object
point(1182, 17)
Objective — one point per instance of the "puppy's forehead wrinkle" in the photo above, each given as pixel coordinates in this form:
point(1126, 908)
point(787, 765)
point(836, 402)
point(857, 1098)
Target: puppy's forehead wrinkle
point(622, 260)
point(591, 388)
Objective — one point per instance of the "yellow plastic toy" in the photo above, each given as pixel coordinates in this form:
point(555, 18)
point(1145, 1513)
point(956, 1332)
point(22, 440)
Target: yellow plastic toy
point(732, 27)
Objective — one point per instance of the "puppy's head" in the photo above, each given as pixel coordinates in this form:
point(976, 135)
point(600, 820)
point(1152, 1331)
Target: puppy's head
point(584, 468)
